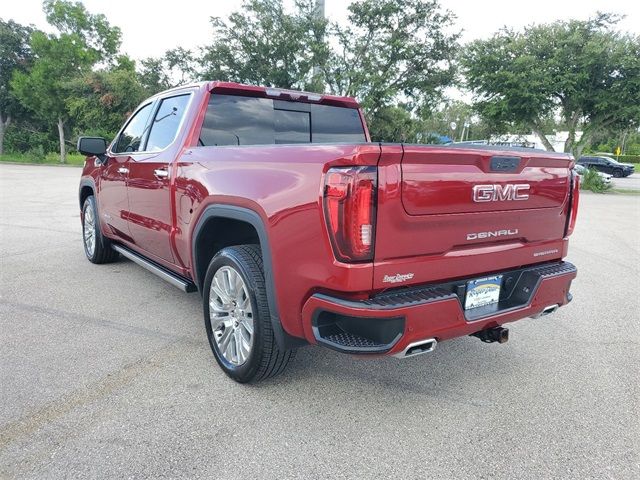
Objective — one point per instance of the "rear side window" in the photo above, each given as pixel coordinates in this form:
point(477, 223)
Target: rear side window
point(130, 139)
point(234, 120)
point(335, 124)
point(166, 122)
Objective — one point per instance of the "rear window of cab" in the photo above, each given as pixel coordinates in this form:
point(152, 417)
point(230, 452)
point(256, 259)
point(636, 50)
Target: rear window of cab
point(236, 120)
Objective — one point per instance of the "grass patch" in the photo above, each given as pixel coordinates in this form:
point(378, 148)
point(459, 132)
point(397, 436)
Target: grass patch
point(74, 159)
point(626, 191)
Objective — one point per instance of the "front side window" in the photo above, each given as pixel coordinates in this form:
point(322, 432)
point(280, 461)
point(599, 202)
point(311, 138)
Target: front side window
point(166, 122)
point(130, 140)
point(236, 120)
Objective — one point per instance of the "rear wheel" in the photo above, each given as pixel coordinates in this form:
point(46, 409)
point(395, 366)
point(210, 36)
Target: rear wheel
point(96, 246)
point(237, 318)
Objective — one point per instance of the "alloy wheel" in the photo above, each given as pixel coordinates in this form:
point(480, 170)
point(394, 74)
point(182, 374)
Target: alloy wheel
point(89, 230)
point(231, 315)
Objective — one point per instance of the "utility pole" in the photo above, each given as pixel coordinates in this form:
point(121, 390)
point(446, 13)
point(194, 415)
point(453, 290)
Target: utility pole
point(320, 14)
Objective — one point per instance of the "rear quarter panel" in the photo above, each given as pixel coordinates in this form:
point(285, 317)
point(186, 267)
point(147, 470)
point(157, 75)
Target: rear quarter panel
point(283, 185)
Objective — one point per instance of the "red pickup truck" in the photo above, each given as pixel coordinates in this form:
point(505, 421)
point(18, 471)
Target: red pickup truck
point(296, 229)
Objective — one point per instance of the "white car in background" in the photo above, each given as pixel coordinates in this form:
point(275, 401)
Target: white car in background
point(606, 178)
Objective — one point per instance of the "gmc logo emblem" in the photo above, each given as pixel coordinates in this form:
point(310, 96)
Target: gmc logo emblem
point(500, 193)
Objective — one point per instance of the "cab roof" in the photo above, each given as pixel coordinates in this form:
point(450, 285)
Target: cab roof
point(233, 88)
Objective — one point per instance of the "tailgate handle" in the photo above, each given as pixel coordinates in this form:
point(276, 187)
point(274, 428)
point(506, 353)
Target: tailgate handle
point(504, 164)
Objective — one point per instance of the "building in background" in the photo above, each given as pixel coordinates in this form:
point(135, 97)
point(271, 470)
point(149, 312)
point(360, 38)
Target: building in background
point(533, 141)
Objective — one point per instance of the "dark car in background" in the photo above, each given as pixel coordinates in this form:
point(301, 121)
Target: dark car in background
point(607, 165)
point(582, 170)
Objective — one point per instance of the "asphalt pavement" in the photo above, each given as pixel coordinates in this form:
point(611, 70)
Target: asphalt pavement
point(632, 182)
point(105, 372)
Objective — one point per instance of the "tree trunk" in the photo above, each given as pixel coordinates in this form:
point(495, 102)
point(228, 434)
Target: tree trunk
point(543, 138)
point(579, 146)
point(570, 142)
point(63, 151)
point(572, 124)
point(3, 129)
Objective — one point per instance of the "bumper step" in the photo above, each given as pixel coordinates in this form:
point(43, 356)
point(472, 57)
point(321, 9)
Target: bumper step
point(519, 287)
point(349, 334)
point(409, 315)
point(351, 340)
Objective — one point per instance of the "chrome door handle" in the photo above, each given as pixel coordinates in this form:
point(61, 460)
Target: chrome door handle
point(123, 170)
point(161, 173)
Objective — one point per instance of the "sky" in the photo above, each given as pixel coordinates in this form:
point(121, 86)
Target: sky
point(149, 28)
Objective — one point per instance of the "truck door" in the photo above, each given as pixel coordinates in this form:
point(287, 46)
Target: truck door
point(113, 203)
point(149, 185)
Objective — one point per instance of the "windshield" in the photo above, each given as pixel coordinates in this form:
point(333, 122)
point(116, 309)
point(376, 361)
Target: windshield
point(610, 160)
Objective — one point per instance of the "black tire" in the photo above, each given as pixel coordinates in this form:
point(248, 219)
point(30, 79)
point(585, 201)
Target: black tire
point(265, 359)
point(618, 173)
point(102, 251)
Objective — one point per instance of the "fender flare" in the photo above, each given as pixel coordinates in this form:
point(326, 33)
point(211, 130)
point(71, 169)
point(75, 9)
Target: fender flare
point(87, 182)
point(284, 340)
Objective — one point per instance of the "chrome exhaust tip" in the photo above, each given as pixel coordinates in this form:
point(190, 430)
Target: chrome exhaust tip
point(418, 348)
point(547, 310)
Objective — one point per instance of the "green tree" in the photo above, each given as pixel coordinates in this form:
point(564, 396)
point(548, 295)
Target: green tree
point(394, 50)
point(584, 73)
point(100, 40)
point(263, 44)
point(176, 67)
point(153, 75)
point(395, 124)
point(84, 41)
point(15, 56)
point(440, 119)
point(100, 101)
point(394, 55)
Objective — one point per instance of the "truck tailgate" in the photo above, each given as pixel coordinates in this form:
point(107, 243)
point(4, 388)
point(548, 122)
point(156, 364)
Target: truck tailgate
point(480, 210)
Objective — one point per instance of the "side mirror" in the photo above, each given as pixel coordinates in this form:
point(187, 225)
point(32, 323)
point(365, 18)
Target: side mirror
point(92, 146)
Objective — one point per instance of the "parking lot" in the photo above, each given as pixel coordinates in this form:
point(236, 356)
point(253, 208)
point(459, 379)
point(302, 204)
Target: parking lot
point(105, 371)
point(632, 182)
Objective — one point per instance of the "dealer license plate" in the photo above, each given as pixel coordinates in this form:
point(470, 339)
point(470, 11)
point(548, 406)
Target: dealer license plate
point(482, 292)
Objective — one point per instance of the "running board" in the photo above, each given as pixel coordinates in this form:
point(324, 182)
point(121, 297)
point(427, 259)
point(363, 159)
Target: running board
point(174, 279)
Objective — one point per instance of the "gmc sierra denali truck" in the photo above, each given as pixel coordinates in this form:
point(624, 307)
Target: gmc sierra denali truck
point(296, 229)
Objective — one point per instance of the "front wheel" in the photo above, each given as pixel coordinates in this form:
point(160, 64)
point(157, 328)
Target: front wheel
point(237, 319)
point(618, 173)
point(97, 247)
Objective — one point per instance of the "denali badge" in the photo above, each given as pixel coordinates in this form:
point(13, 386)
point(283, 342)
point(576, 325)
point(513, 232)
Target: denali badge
point(495, 233)
point(495, 193)
point(397, 278)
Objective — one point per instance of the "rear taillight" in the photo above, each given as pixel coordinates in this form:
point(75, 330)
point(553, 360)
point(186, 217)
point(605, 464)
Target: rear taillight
point(575, 199)
point(350, 211)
